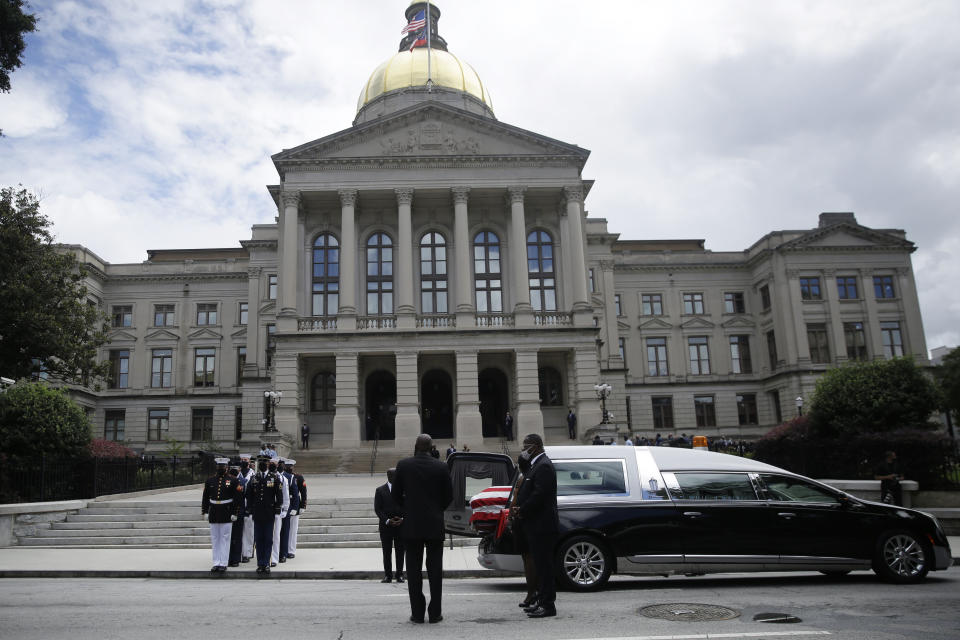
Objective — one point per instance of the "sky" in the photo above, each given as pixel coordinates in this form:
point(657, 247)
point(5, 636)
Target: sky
point(150, 125)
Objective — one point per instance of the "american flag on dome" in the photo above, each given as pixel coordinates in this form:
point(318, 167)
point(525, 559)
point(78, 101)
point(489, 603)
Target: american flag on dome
point(417, 22)
point(419, 40)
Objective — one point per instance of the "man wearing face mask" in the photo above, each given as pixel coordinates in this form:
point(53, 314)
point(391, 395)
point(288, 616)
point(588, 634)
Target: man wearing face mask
point(221, 499)
point(520, 539)
point(276, 467)
point(264, 503)
point(536, 509)
point(246, 546)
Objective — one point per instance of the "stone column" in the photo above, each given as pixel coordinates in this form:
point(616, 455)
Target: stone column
point(403, 261)
point(463, 293)
point(250, 367)
point(609, 331)
point(871, 318)
point(586, 374)
point(911, 323)
point(347, 315)
point(286, 380)
point(346, 422)
point(523, 312)
point(290, 201)
point(469, 425)
point(581, 300)
point(529, 418)
point(408, 425)
point(802, 355)
point(838, 341)
point(786, 315)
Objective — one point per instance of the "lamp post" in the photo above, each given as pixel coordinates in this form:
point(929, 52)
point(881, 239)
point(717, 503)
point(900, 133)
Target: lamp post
point(603, 392)
point(273, 397)
point(799, 402)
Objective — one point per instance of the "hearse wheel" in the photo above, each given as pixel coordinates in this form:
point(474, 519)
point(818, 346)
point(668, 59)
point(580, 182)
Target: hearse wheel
point(901, 557)
point(584, 563)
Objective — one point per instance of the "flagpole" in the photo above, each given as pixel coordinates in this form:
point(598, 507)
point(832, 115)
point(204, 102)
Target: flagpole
point(429, 70)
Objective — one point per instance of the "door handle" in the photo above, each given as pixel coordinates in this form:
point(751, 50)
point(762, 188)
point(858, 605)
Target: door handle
point(787, 514)
point(692, 514)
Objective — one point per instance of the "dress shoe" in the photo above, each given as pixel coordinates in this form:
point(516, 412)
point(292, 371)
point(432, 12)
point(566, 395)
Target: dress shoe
point(436, 620)
point(385, 580)
point(273, 564)
point(234, 564)
point(284, 559)
point(416, 620)
point(533, 606)
point(543, 612)
point(528, 602)
point(290, 556)
point(260, 569)
point(244, 560)
point(399, 578)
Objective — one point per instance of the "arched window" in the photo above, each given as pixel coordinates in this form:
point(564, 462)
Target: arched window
point(543, 283)
point(326, 276)
point(380, 275)
point(486, 271)
point(323, 392)
point(551, 387)
point(433, 273)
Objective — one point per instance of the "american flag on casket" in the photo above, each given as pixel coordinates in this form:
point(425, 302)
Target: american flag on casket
point(487, 507)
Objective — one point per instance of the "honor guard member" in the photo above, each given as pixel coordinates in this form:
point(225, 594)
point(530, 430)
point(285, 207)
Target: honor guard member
point(292, 511)
point(246, 547)
point(263, 501)
point(298, 502)
point(236, 530)
point(221, 499)
point(276, 466)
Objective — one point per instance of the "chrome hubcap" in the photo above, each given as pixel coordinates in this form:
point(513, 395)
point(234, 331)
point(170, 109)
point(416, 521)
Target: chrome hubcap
point(903, 555)
point(584, 563)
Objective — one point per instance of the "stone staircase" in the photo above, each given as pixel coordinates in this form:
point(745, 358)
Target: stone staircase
point(327, 523)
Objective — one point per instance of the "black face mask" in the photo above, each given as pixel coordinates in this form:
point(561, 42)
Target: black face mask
point(221, 472)
point(262, 466)
point(273, 467)
point(523, 464)
point(244, 465)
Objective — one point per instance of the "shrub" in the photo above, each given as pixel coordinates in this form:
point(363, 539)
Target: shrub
point(100, 448)
point(38, 419)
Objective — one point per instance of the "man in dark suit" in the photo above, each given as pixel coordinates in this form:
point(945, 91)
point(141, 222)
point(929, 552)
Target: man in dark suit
point(536, 509)
point(423, 490)
point(389, 519)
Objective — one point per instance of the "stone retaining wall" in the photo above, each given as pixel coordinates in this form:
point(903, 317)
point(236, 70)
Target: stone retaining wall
point(26, 519)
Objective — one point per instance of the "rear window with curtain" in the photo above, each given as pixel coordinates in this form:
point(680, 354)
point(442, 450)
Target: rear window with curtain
point(590, 477)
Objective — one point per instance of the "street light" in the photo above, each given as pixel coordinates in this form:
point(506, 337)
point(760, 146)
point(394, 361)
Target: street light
point(603, 392)
point(274, 398)
point(799, 402)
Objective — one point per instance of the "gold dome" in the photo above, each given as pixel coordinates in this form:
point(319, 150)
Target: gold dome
point(409, 69)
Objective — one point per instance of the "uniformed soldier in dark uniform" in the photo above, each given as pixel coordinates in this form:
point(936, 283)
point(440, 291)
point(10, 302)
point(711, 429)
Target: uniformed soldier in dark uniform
point(263, 500)
point(293, 506)
point(301, 488)
point(221, 502)
point(236, 531)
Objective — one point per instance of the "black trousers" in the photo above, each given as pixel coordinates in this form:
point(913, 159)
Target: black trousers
point(284, 536)
point(236, 541)
point(541, 546)
point(263, 540)
point(392, 543)
point(414, 551)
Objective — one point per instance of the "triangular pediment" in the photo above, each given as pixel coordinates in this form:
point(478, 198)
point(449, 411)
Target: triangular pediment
point(623, 326)
point(239, 334)
point(737, 322)
point(162, 335)
point(696, 323)
point(655, 323)
point(267, 308)
point(429, 130)
point(122, 336)
point(847, 235)
point(205, 334)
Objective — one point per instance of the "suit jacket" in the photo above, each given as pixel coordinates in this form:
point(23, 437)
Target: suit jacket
point(422, 489)
point(386, 507)
point(537, 499)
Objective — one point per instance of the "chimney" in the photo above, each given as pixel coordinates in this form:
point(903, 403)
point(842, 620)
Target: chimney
point(828, 219)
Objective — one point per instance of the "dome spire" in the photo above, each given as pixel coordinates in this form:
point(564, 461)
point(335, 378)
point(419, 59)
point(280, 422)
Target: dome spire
point(416, 32)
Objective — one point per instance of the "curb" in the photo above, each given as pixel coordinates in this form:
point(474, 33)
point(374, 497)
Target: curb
point(236, 575)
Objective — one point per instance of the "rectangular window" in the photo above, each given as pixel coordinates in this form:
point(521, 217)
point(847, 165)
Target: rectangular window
point(204, 364)
point(733, 302)
point(622, 347)
point(847, 288)
point(892, 340)
point(616, 305)
point(817, 338)
point(775, 403)
point(810, 289)
point(238, 423)
point(883, 286)
point(657, 357)
point(765, 298)
point(714, 487)
point(114, 424)
point(272, 286)
point(119, 369)
point(271, 344)
point(244, 312)
point(161, 368)
point(158, 423)
point(856, 340)
point(163, 315)
point(652, 304)
point(202, 425)
point(241, 361)
point(206, 314)
point(740, 361)
point(747, 408)
point(699, 355)
point(590, 477)
point(706, 412)
point(662, 413)
point(693, 303)
point(123, 316)
point(772, 349)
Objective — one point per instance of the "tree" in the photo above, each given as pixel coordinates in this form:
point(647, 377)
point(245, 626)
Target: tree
point(13, 24)
point(36, 418)
point(878, 396)
point(46, 323)
point(948, 375)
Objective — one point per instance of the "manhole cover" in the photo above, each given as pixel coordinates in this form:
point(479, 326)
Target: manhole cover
point(687, 612)
point(782, 618)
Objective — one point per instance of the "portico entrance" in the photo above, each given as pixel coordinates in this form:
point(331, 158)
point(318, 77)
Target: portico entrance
point(494, 401)
point(380, 406)
point(436, 404)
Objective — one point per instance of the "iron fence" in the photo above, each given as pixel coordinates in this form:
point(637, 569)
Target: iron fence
point(50, 479)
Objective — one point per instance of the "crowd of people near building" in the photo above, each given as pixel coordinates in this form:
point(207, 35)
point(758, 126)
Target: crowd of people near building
point(721, 444)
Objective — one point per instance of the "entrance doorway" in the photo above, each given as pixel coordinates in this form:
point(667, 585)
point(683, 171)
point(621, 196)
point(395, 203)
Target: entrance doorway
point(381, 406)
point(436, 402)
point(494, 401)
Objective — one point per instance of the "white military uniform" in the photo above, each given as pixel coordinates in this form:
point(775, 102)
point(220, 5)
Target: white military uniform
point(246, 546)
point(219, 501)
point(278, 519)
point(294, 516)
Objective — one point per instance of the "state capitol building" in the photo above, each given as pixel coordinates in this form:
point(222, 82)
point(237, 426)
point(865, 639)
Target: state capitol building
point(431, 268)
